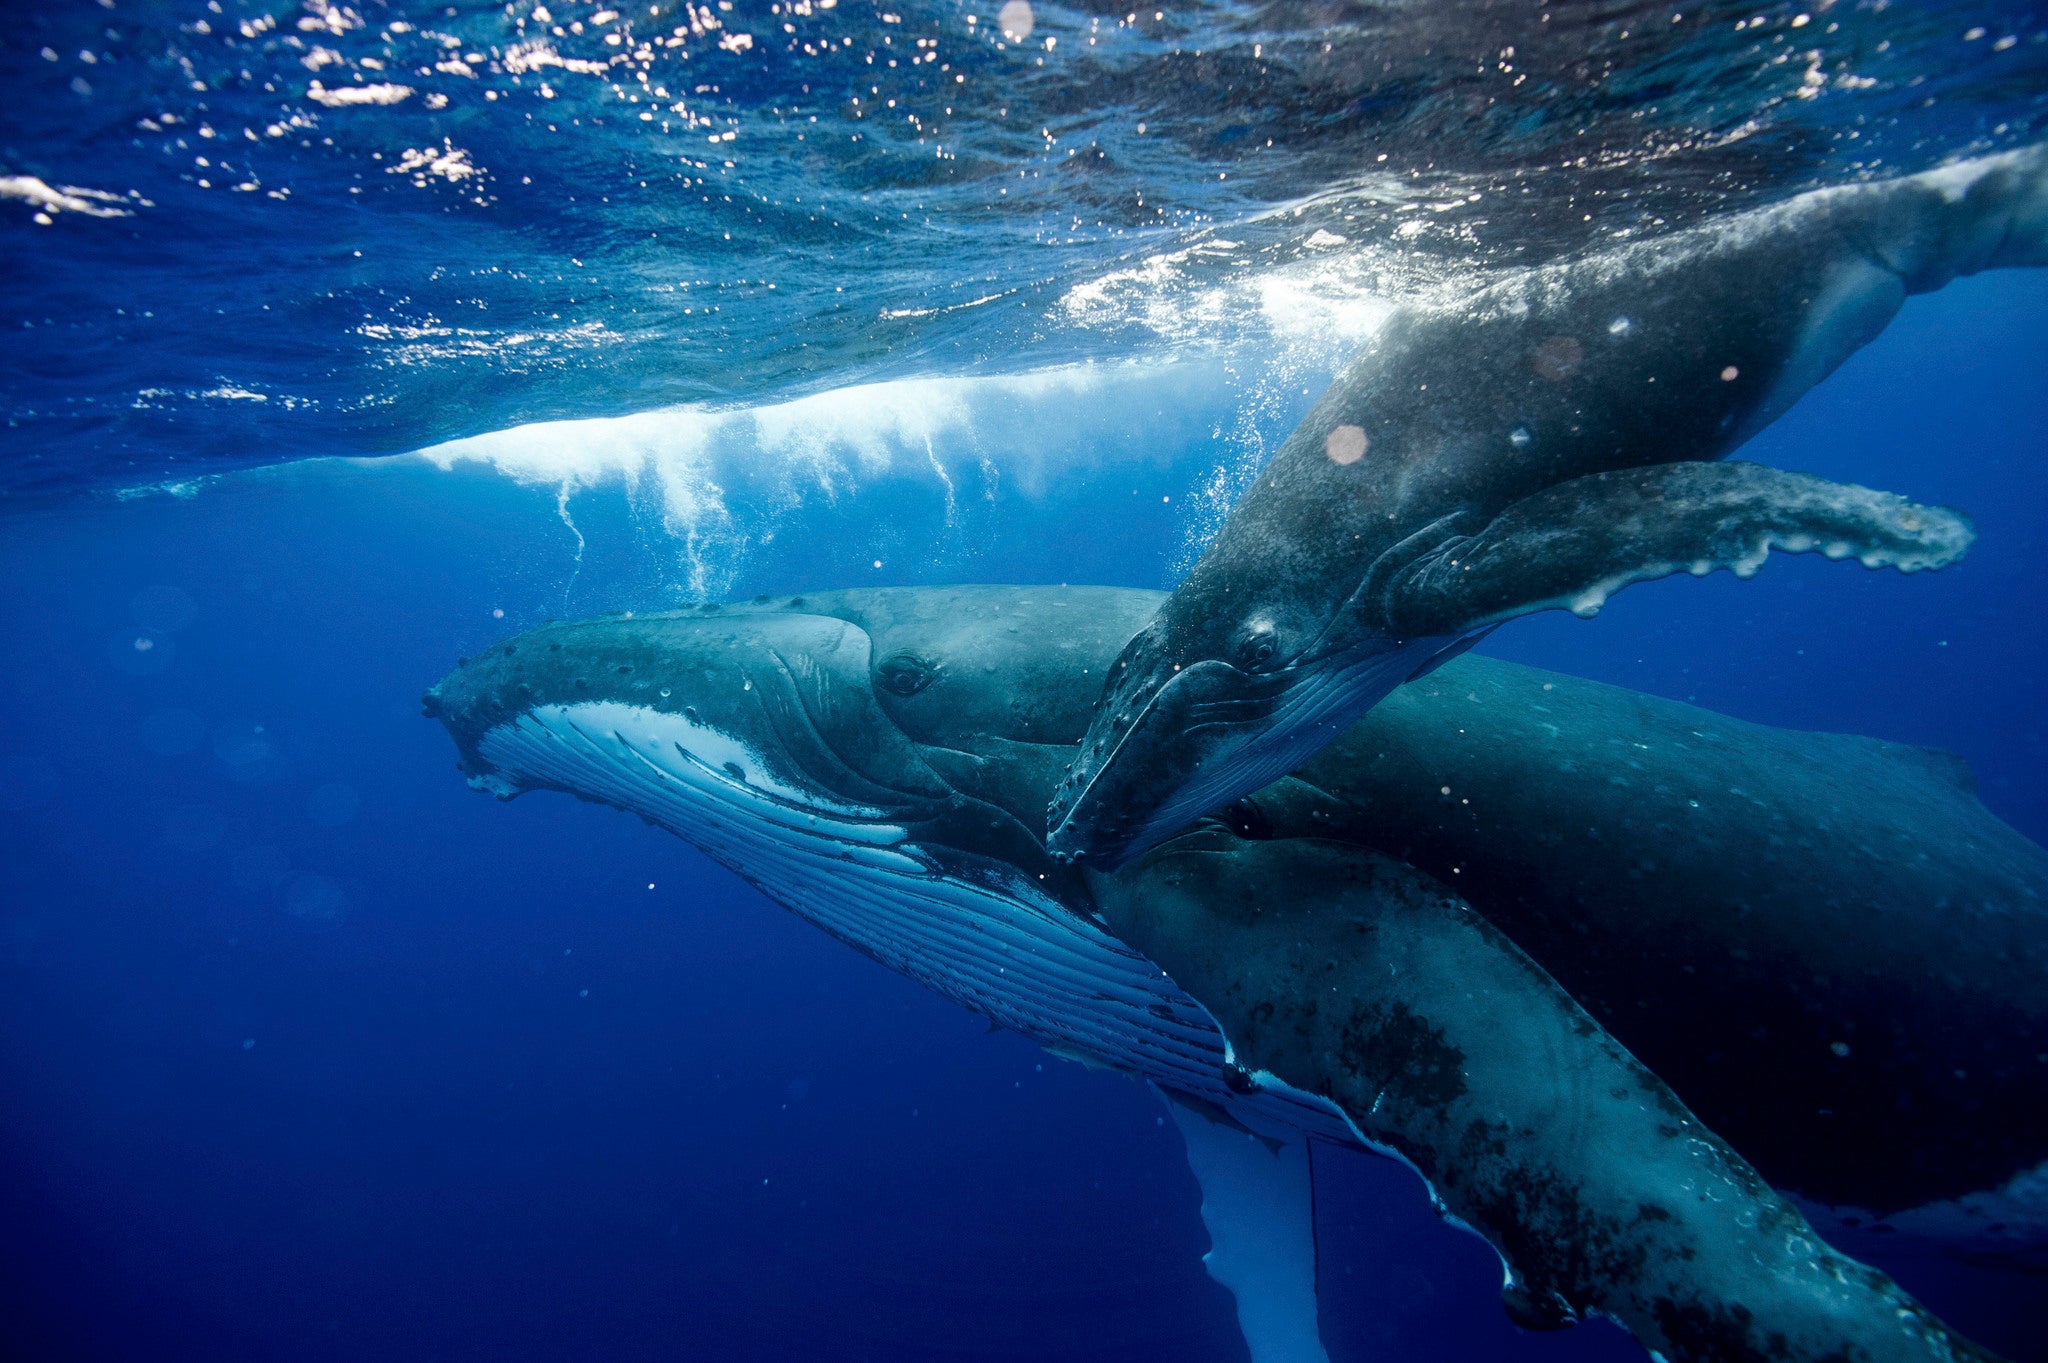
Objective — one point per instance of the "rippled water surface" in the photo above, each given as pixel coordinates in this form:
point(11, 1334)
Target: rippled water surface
point(241, 233)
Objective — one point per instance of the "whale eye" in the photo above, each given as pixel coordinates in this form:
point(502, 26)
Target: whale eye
point(904, 674)
point(1258, 643)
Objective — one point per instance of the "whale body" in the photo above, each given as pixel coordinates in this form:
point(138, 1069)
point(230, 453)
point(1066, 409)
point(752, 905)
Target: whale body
point(1540, 444)
point(872, 759)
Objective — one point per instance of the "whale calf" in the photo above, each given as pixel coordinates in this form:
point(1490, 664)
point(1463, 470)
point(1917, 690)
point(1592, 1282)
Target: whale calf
point(1540, 444)
point(872, 760)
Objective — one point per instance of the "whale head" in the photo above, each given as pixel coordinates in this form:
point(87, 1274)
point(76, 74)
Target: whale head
point(910, 735)
point(754, 735)
point(878, 762)
point(1220, 694)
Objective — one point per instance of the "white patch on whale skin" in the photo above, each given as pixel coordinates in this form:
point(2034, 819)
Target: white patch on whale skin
point(718, 751)
point(1955, 180)
point(1258, 1204)
point(672, 770)
point(1002, 948)
point(1945, 538)
point(490, 783)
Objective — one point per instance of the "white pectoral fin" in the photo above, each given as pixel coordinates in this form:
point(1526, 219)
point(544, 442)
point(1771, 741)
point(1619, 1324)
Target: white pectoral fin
point(1259, 1207)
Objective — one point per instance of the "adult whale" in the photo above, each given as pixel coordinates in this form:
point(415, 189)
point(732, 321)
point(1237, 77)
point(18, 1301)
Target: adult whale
point(864, 757)
point(1540, 444)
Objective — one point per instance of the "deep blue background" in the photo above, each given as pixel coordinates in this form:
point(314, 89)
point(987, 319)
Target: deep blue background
point(420, 1076)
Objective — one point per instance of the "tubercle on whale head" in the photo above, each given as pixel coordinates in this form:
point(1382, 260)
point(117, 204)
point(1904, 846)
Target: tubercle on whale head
point(487, 689)
point(1079, 830)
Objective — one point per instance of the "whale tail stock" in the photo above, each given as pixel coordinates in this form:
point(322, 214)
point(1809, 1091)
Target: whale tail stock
point(1445, 1044)
point(1988, 213)
point(1577, 543)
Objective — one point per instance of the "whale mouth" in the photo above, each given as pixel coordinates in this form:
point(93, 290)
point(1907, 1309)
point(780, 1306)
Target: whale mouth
point(697, 780)
point(1208, 735)
point(702, 724)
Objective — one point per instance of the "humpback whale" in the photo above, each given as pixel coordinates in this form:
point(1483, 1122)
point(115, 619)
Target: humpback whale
point(1540, 444)
point(873, 760)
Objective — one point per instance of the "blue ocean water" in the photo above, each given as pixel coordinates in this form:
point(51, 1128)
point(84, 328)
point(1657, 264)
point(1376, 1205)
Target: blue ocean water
point(307, 1050)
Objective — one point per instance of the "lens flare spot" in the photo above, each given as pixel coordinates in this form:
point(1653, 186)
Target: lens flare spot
point(1016, 20)
point(1346, 444)
point(1558, 358)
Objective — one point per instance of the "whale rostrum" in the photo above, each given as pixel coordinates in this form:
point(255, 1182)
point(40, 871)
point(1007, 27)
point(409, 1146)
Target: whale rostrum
point(1554, 1028)
point(1539, 444)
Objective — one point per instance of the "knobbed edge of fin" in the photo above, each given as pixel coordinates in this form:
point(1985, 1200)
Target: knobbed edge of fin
point(1572, 546)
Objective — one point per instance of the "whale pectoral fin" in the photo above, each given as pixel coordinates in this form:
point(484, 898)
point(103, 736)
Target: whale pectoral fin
point(1573, 545)
point(1356, 977)
point(1453, 651)
point(1258, 1203)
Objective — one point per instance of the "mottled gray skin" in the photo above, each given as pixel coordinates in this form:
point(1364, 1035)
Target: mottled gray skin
point(1370, 983)
point(1733, 901)
point(1354, 976)
point(1825, 943)
point(1540, 444)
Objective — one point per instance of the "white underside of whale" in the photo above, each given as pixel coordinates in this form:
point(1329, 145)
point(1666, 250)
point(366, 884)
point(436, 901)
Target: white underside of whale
point(1003, 948)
